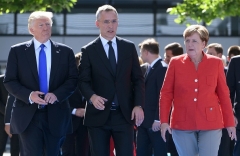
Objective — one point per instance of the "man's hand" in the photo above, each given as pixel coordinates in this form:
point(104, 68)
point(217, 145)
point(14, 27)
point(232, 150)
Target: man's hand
point(7, 129)
point(156, 126)
point(36, 99)
point(232, 133)
point(80, 112)
point(98, 101)
point(50, 98)
point(138, 114)
point(165, 127)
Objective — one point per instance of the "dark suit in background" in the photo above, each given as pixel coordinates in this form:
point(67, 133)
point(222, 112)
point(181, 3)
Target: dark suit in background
point(14, 141)
point(233, 82)
point(146, 136)
point(3, 101)
point(76, 144)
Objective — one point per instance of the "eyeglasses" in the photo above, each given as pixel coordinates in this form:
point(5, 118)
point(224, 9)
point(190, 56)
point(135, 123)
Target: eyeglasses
point(109, 21)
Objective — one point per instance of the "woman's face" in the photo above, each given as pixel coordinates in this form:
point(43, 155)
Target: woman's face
point(194, 45)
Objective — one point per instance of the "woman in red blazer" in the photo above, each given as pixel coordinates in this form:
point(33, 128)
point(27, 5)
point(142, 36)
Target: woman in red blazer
point(195, 88)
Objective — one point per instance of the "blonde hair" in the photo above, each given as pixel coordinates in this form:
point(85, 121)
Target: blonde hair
point(200, 30)
point(106, 8)
point(37, 15)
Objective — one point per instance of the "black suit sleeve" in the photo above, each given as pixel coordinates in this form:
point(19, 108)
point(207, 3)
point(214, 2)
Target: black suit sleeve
point(231, 79)
point(3, 96)
point(137, 80)
point(8, 109)
point(11, 81)
point(85, 75)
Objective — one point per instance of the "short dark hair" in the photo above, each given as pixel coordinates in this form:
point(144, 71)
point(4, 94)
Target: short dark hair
point(233, 50)
point(175, 47)
point(150, 45)
point(218, 47)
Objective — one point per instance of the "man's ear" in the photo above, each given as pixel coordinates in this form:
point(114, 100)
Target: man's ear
point(97, 23)
point(31, 30)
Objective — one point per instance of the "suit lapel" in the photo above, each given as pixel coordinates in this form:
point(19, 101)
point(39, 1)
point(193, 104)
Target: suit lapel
point(55, 60)
point(102, 54)
point(31, 57)
point(121, 53)
point(153, 69)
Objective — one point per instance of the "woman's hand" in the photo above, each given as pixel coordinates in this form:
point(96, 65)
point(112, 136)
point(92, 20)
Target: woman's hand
point(165, 127)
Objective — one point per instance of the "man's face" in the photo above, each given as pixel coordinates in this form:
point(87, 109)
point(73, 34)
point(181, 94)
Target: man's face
point(107, 24)
point(41, 29)
point(168, 55)
point(212, 51)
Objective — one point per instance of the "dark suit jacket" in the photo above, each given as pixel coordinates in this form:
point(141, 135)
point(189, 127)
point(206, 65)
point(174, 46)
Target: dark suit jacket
point(21, 79)
point(153, 85)
point(76, 100)
point(96, 77)
point(233, 82)
point(3, 96)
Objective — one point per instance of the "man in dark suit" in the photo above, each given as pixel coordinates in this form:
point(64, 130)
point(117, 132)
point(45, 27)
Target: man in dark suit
point(112, 83)
point(41, 74)
point(14, 147)
point(149, 131)
point(77, 143)
point(3, 101)
point(233, 82)
point(13, 137)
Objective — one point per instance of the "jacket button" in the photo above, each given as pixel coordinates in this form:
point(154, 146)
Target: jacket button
point(195, 99)
point(195, 90)
point(196, 80)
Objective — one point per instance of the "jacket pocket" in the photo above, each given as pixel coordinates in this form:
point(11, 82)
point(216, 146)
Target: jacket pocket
point(211, 113)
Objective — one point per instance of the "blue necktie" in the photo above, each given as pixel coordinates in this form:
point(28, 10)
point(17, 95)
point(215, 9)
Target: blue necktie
point(42, 69)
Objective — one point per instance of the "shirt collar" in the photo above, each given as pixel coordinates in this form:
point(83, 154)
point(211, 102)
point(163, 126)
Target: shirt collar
point(104, 41)
point(37, 43)
point(152, 64)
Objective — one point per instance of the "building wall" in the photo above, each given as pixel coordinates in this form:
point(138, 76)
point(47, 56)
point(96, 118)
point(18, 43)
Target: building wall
point(77, 42)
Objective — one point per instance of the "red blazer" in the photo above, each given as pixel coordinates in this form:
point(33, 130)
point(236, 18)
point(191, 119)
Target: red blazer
point(199, 98)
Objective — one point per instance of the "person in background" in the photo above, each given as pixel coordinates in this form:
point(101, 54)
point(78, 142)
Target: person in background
point(171, 50)
point(5, 129)
point(149, 131)
point(216, 49)
point(41, 74)
point(77, 144)
point(111, 80)
point(233, 51)
point(233, 81)
point(195, 86)
point(14, 140)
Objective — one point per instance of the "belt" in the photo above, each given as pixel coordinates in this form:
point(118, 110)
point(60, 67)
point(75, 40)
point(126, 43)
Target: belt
point(42, 108)
point(114, 107)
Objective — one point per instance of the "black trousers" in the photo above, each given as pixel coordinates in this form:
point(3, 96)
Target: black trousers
point(236, 151)
point(148, 140)
point(77, 143)
point(14, 142)
point(121, 132)
point(37, 139)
